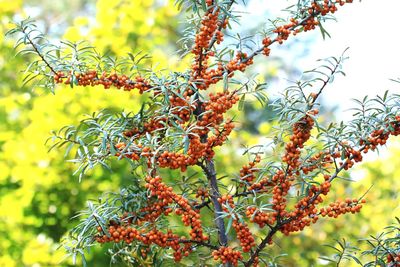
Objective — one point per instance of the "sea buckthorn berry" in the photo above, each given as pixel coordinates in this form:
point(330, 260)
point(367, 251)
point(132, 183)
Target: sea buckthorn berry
point(227, 254)
point(244, 236)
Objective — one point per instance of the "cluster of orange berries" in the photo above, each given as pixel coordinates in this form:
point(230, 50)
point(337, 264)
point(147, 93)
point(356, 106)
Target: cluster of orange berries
point(310, 24)
point(301, 133)
point(325, 187)
point(210, 27)
point(328, 6)
point(376, 138)
point(196, 149)
point(259, 217)
point(166, 159)
point(181, 107)
point(117, 233)
point(266, 183)
point(321, 9)
point(282, 181)
point(152, 211)
point(247, 171)
point(128, 154)
point(123, 231)
point(298, 224)
point(240, 62)
point(227, 255)
point(175, 160)
point(352, 156)
point(202, 193)
point(226, 200)
point(244, 235)
point(320, 159)
point(214, 109)
point(341, 207)
point(284, 31)
point(220, 102)
point(91, 78)
point(393, 260)
point(266, 43)
point(379, 137)
point(148, 127)
point(242, 230)
point(211, 76)
point(221, 135)
point(165, 194)
point(279, 193)
point(304, 213)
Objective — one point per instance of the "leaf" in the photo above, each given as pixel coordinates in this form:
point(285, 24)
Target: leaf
point(229, 225)
point(323, 31)
point(242, 102)
point(186, 142)
point(204, 5)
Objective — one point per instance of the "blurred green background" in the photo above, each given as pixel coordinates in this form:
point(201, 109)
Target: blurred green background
point(39, 194)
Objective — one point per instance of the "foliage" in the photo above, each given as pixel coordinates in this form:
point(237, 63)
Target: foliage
point(39, 193)
point(383, 249)
point(177, 127)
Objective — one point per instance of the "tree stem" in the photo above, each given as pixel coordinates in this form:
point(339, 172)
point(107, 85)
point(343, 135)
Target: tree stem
point(209, 170)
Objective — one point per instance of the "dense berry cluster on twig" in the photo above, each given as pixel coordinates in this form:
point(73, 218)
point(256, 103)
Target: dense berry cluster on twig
point(92, 78)
point(227, 254)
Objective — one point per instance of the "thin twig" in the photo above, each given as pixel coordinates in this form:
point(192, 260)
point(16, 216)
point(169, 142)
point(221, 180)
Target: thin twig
point(37, 51)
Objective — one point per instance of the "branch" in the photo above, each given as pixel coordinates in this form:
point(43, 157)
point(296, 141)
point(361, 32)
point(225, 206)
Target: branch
point(262, 245)
point(23, 30)
point(209, 170)
point(260, 50)
point(201, 243)
point(237, 194)
point(333, 71)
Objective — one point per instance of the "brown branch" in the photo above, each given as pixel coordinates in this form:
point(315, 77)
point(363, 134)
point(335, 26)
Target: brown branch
point(237, 194)
point(23, 30)
point(333, 71)
point(262, 245)
point(209, 170)
point(201, 243)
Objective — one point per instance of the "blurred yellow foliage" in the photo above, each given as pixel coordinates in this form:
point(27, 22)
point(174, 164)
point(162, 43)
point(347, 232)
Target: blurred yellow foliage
point(38, 193)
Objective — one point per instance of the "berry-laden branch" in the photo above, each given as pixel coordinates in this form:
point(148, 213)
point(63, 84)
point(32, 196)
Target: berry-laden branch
point(180, 129)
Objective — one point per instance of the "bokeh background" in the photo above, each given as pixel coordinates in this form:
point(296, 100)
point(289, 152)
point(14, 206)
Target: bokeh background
point(39, 194)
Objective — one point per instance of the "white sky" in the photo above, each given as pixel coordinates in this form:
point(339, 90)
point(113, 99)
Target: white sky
point(371, 31)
